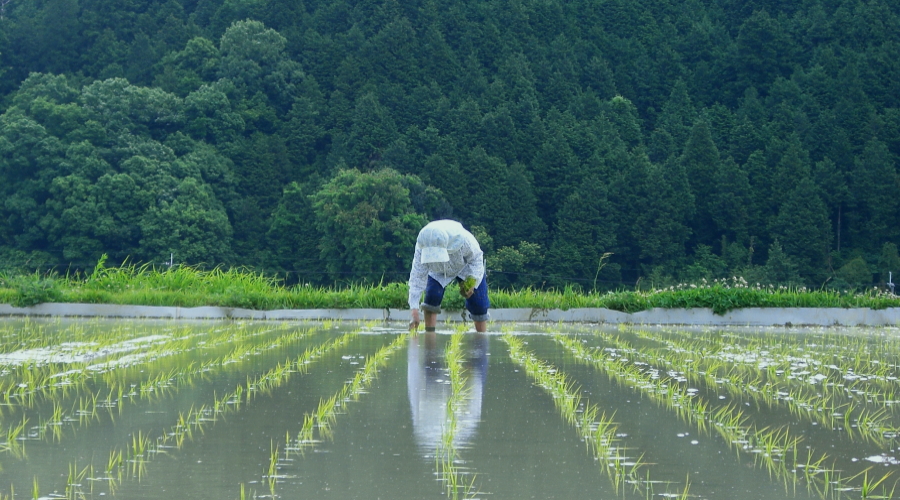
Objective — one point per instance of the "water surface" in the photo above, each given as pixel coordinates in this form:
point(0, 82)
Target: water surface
point(153, 410)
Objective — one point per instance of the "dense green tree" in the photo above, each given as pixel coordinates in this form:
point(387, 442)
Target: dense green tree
point(585, 231)
point(367, 225)
point(210, 113)
point(834, 191)
point(185, 71)
point(701, 163)
point(372, 130)
point(673, 126)
point(855, 273)
point(293, 235)
point(780, 268)
point(731, 205)
point(764, 50)
point(191, 228)
point(873, 218)
point(707, 266)
point(802, 223)
point(888, 263)
point(553, 164)
point(254, 58)
point(661, 228)
point(515, 267)
point(624, 116)
point(501, 197)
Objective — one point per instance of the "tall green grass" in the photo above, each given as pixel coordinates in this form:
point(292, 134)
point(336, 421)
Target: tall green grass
point(187, 286)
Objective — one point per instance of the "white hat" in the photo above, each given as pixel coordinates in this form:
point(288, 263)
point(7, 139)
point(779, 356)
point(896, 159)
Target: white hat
point(434, 242)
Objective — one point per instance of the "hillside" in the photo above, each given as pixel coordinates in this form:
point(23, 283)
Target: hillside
point(690, 140)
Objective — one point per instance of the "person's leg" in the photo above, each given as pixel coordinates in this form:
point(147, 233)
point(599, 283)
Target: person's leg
point(430, 321)
point(478, 305)
point(434, 295)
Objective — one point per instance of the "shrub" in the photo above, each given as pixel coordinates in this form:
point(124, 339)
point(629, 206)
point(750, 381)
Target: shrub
point(32, 289)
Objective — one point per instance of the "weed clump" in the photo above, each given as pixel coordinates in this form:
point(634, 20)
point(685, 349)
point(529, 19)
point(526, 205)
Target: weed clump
point(33, 289)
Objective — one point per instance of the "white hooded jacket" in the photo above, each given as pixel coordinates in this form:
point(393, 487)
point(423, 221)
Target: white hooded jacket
point(466, 258)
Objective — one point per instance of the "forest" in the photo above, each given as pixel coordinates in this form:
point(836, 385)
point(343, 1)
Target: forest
point(591, 144)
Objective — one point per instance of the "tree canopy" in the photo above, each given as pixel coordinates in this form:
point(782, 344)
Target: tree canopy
point(705, 138)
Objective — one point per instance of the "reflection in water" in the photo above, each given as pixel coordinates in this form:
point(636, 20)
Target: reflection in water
point(428, 383)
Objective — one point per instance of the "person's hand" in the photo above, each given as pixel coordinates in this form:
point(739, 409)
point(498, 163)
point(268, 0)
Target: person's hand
point(414, 322)
point(466, 292)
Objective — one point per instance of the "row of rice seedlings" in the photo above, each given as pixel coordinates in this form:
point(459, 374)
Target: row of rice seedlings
point(849, 359)
point(142, 448)
point(185, 375)
point(446, 456)
point(11, 495)
point(854, 371)
point(31, 379)
point(121, 387)
point(774, 449)
point(325, 414)
point(29, 334)
point(821, 406)
point(824, 480)
point(873, 426)
point(597, 431)
point(844, 343)
point(86, 410)
point(74, 487)
point(317, 425)
point(272, 473)
point(777, 375)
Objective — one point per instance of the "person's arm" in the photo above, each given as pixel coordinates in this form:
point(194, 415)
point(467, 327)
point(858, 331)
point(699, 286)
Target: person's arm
point(417, 279)
point(474, 261)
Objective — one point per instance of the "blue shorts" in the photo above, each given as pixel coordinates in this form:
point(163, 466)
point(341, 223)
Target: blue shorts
point(477, 304)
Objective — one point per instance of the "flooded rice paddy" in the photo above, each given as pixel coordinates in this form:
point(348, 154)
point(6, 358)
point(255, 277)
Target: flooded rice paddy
point(229, 410)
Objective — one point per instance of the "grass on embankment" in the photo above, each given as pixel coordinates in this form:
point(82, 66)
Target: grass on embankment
point(191, 287)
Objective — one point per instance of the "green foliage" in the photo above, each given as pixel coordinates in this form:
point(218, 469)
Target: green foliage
point(706, 267)
point(237, 287)
point(780, 268)
point(367, 224)
point(512, 266)
point(888, 262)
point(856, 273)
point(650, 131)
point(33, 289)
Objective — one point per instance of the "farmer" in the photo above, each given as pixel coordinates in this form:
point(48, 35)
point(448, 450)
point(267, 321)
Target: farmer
point(445, 251)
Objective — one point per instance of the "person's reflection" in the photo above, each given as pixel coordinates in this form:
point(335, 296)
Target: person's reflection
point(428, 383)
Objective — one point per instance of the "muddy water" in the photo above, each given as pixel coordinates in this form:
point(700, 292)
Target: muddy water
point(508, 438)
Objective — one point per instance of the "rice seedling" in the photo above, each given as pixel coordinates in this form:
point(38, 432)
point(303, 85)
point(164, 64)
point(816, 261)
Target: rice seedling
point(115, 462)
point(84, 409)
point(868, 487)
point(598, 432)
point(687, 488)
point(11, 443)
point(769, 447)
point(325, 414)
point(272, 474)
point(446, 456)
point(142, 447)
point(703, 367)
point(73, 482)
